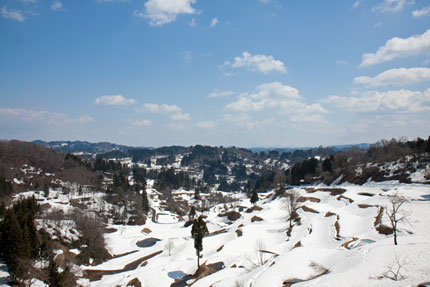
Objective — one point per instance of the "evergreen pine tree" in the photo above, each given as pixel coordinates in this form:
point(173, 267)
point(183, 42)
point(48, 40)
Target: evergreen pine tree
point(254, 196)
point(11, 238)
point(55, 279)
point(2, 208)
point(192, 213)
point(145, 202)
point(428, 145)
point(198, 231)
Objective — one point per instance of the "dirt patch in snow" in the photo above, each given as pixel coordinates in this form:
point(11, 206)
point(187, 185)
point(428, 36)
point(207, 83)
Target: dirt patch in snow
point(239, 233)
point(254, 208)
point(95, 275)
point(346, 244)
point(203, 271)
point(134, 283)
point(308, 209)
point(333, 191)
point(231, 215)
point(308, 198)
point(340, 197)
point(146, 230)
point(362, 205)
point(318, 268)
point(256, 218)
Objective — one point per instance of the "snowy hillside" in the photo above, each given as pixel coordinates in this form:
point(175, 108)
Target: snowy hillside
point(336, 242)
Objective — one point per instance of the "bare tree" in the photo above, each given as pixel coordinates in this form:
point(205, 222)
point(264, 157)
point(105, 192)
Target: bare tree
point(394, 270)
point(170, 245)
point(395, 214)
point(260, 256)
point(292, 205)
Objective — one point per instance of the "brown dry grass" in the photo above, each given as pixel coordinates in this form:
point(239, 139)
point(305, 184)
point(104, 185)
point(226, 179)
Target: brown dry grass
point(95, 275)
point(308, 209)
point(256, 218)
point(347, 243)
point(308, 198)
point(340, 197)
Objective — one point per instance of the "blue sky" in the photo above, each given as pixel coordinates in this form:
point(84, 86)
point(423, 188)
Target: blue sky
point(244, 73)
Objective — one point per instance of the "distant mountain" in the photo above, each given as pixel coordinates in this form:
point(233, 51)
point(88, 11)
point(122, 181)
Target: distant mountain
point(83, 146)
point(292, 149)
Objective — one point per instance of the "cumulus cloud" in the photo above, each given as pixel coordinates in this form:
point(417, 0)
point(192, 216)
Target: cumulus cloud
point(241, 120)
point(206, 124)
point(214, 22)
point(399, 48)
point(114, 100)
point(12, 14)
point(45, 117)
point(174, 111)
point(283, 99)
point(396, 77)
point(160, 12)
point(219, 94)
point(163, 108)
point(390, 101)
point(56, 6)
point(425, 11)
point(180, 117)
point(392, 6)
point(260, 63)
point(142, 123)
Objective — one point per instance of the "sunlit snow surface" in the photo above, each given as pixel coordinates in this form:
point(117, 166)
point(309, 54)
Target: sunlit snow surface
point(369, 256)
point(358, 257)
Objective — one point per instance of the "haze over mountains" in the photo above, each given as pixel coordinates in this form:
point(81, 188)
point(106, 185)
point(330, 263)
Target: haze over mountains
point(101, 147)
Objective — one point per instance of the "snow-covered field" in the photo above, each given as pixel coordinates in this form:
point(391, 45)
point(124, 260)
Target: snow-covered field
point(357, 256)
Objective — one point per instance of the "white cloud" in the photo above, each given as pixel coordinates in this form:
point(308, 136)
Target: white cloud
point(41, 116)
point(241, 120)
point(356, 4)
point(342, 62)
point(114, 100)
point(142, 123)
point(175, 113)
point(392, 6)
point(390, 101)
point(281, 98)
point(163, 108)
point(396, 77)
point(180, 117)
point(206, 124)
point(219, 94)
point(160, 12)
point(425, 11)
point(214, 22)
point(56, 6)
point(12, 14)
point(193, 22)
point(261, 63)
point(111, 1)
point(377, 24)
point(399, 48)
